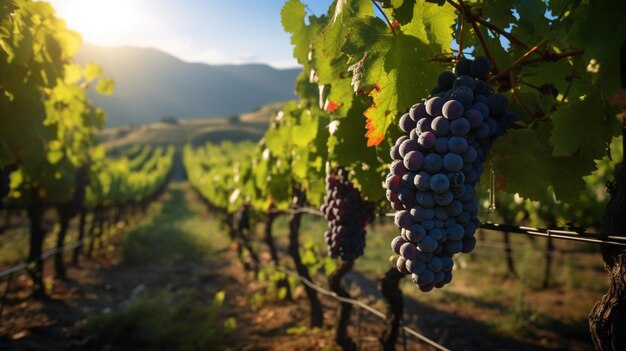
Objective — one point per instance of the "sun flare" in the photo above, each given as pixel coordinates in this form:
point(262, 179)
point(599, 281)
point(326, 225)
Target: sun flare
point(105, 22)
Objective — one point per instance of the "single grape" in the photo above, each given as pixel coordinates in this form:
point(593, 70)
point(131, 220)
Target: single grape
point(422, 181)
point(446, 79)
point(434, 105)
point(406, 123)
point(455, 232)
point(439, 183)
point(474, 117)
point(440, 126)
point(423, 125)
point(463, 67)
point(427, 140)
point(464, 81)
point(432, 163)
point(417, 112)
point(408, 146)
point(396, 243)
point(460, 127)
point(452, 109)
point(480, 67)
point(452, 162)
point(457, 145)
point(413, 161)
point(464, 95)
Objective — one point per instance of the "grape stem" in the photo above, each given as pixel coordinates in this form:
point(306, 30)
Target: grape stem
point(544, 55)
point(518, 96)
point(519, 62)
point(384, 15)
point(471, 19)
point(555, 56)
point(461, 33)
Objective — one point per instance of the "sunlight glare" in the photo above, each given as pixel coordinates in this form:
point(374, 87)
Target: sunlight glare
point(104, 22)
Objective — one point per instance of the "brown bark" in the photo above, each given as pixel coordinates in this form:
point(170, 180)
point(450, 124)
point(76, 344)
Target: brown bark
point(317, 312)
point(390, 288)
point(345, 309)
point(607, 320)
point(37, 234)
point(81, 235)
point(269, 240)
point(65, 215)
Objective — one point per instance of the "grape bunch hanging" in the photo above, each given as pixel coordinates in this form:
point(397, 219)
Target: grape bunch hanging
point(436, 166)
point(347, 215)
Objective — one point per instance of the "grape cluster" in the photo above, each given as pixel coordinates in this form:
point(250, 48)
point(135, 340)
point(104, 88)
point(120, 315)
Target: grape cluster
point(436, 166)
point(347, 215)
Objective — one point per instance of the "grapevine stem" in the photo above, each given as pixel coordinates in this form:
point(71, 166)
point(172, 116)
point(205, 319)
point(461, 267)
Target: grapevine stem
point(463, 10)
point(517, 62)
point(556, 56)
point(461, 33)
point(485, 47)
point(518, 96)
point(569, 86)
point(384, 15)
point(507, 35)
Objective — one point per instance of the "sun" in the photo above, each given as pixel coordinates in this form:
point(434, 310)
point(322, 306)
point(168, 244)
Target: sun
point(104, 22)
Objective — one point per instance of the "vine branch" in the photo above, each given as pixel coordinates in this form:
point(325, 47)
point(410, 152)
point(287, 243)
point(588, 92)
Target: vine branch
point(393, 30)
point(519, 62)
point(518, 96)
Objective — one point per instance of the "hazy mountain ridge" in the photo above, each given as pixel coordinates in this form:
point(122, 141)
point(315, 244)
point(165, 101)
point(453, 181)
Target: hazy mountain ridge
point(150, 84)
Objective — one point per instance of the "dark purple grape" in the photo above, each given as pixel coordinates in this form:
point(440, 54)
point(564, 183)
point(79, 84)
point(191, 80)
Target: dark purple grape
point(452, 109)
point(463, 67)
point(440, 126)
point(406, 123)
point(445, 80)
point(480, 67)
point(497, 103)
point(464, 81)
point(418, 111)
point(434, 106)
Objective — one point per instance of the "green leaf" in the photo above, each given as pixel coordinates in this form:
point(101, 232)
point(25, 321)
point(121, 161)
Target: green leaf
point(523, 160)
point(583, 126)
point(105, 86)
point(292, 17)
point(600, 29)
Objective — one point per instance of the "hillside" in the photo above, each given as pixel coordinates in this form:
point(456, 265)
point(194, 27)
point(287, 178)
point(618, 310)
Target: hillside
point(249, 126)
point(150, 84)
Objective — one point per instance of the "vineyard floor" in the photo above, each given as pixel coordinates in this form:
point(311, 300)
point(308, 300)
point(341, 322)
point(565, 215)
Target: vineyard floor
point(178, 247)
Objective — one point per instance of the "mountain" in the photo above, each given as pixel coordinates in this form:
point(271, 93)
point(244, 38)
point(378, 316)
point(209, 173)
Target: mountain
point(151, 84)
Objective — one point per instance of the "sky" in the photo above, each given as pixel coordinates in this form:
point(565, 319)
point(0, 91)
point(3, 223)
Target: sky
point(209, 31)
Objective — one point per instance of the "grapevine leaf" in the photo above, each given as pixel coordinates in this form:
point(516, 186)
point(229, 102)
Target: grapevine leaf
point(293, 16)
point(432, 25)
point(348, 148)
point(500, 13)
point(306, 130)
point(105, 86)
point(521, 148)
point(394, 68)
point(605, 20)
point(583, 126)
